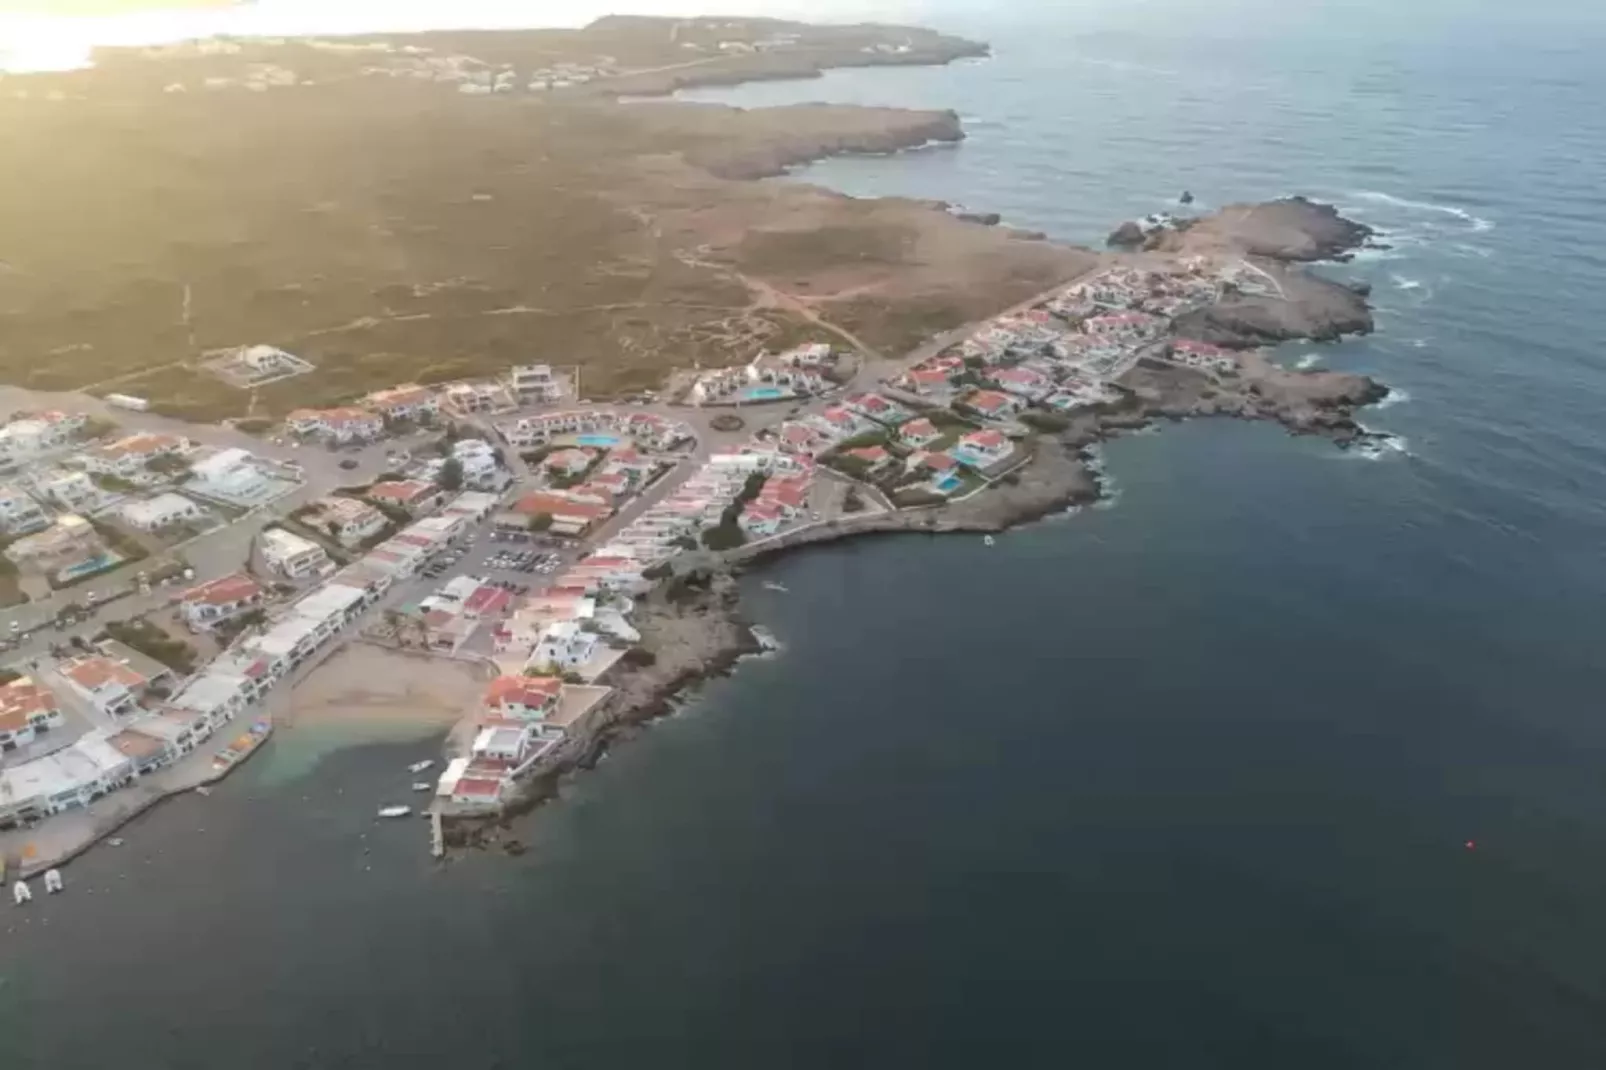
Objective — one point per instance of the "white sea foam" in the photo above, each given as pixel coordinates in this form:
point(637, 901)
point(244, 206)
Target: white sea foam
point(1309, 360)
point(1478, 224)
point(1395, 397)
point(1403, 283)
point(1378, 445)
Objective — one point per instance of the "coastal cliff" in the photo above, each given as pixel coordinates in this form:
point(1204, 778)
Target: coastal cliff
point(803, 133)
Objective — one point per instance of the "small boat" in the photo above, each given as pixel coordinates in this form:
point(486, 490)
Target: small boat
point(988, 540)
point(116, 841)
point(52, 881)
point(20, 893)
point(420, 785)
point(419, 767)
point(395, 811)
point(771, 585)
point(202, 790)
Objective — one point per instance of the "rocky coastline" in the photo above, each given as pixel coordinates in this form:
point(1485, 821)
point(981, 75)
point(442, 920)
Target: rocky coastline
point(693, 625)
point(852, 131)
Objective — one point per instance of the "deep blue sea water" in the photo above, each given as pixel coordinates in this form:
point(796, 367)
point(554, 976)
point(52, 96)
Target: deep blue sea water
point(1184, 782)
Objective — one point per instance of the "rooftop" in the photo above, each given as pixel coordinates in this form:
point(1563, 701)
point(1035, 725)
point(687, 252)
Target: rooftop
point(225, 590)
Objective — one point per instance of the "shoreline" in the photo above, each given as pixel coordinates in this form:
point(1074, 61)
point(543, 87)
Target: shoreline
point(1063, 473)
point(693, 626)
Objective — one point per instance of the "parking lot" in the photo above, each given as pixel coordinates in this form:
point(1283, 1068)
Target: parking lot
point(520, 565)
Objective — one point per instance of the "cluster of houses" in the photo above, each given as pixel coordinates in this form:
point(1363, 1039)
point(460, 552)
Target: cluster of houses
point(474, 77)
point(595, 461)
point(370, 419)
point(153, 483)
point(518, 723)
point(1061, 355)
point(798, 372)
point(155, 718)
point(609, 426)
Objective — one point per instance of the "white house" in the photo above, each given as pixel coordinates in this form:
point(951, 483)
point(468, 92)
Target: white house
point(291, 555)
point(162, 511)
point(72, 777)
point(918, 433)
point(524, 698)
point(339, 425)
point(407, 401)
point(231, 475)
point(129, 457)
point(31, 434)
point(19, 513)
point(75, 491)
point(347, 520)
point(982, 448)
point(209, 604)
point(112, 686)
point(535, 382)
point(27, 710)
point(564, 646)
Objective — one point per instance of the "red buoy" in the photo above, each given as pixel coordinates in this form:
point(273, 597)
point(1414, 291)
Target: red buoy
point(1472, 845)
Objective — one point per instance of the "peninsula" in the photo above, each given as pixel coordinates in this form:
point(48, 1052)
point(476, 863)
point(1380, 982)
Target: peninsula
point(481, 363)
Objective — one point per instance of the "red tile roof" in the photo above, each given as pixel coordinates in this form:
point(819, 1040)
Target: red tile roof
point(21, 698)
point(532, 691)
point(223, 591)
point(487, 600)
point(401, 491)
point(988, 401)
point(95, 671)
point(472, 787)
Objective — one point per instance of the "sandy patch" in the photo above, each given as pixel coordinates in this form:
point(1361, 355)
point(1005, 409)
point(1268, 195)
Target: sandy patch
point(364, 683)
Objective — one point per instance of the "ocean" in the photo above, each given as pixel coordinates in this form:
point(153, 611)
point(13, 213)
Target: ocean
point(1282, 757)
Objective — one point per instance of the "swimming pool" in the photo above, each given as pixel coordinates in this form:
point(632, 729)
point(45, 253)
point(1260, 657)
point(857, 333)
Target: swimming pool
point(98, 563)
point(605, 442)
point(763, 393)
point(947, 483)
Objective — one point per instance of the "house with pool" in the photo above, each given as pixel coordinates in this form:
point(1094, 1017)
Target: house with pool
point(982, 449)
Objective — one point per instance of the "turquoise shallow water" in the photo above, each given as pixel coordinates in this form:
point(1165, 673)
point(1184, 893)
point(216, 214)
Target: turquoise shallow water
point(1183, 782)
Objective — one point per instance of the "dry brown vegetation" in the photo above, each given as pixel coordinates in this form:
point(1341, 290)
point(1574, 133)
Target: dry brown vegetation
point(392, 230)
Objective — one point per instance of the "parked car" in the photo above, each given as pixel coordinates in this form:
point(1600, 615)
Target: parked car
point(347, 463)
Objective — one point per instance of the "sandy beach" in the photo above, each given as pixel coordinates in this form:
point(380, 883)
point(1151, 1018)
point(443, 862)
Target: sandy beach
point(377, 687)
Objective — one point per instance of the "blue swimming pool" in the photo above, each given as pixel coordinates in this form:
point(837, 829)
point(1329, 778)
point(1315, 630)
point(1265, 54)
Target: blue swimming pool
point(763, 393)
point(599, 441)
point(947, 483)
point(98, 563)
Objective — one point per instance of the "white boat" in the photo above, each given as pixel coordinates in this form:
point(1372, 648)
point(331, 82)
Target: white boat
point(52, 881)
point(988, 540)
point(20, 893)
point(115, 841)
point(395, 811)
point(771, 585)
point(419, 767)
point(420, 785)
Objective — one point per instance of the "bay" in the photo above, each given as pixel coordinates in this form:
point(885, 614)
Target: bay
point(1182, 782)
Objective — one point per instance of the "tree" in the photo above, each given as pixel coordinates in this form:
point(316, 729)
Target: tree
point(451, 477)
point(852, 501)
point(333, 528)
